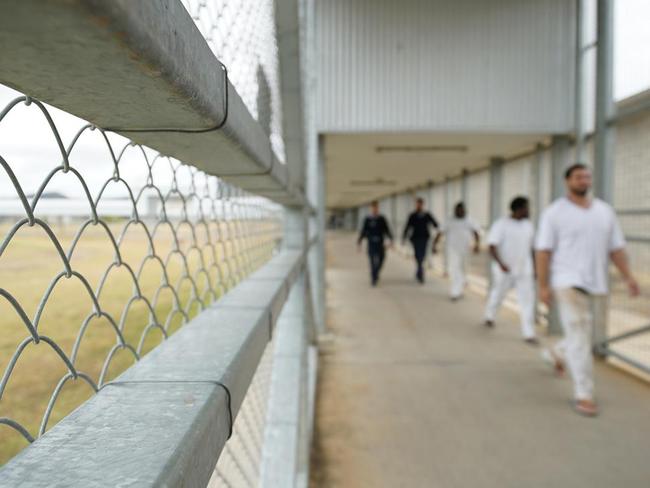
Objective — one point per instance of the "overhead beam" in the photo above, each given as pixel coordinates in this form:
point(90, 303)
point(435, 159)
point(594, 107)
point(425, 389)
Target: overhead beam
point(144, 70)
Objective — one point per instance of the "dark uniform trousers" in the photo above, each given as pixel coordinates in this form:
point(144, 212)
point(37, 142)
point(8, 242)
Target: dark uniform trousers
point(376, 254)
point(420, 251)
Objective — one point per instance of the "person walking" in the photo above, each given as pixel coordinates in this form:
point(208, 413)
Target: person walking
point(511, 247)
point(374, 229)
point(417, 231)
point(459, 231)
point(578, 235)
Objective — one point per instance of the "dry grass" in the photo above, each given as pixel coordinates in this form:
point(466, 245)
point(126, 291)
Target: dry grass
point(27, 267)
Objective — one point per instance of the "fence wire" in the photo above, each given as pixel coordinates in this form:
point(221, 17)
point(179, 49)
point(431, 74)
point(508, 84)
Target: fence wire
point(241, 459)
point(241, 34)
point(107, 249)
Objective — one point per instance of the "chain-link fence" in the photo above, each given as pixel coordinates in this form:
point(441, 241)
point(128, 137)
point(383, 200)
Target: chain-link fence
point(629, 321)
point(241, 34)
point(108, 248)
point(241, 458)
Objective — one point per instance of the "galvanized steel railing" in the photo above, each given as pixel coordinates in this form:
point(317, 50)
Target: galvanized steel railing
point(179, 239)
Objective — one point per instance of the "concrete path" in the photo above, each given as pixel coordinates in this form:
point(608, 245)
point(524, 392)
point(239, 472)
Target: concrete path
point(414, 392)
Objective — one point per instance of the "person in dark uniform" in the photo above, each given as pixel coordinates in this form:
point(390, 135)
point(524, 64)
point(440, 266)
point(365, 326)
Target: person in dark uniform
point(417, 231)
point(374, 229)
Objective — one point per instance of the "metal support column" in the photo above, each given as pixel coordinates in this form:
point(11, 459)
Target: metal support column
point(447, 198)
point(559, 162)
point(580, 77)
point(605, 111)
point(316, 196)
point(496, 187)
point(464, 193)
point(605, 133)
point(496, 190)
point(536, 171)
point(537, 178)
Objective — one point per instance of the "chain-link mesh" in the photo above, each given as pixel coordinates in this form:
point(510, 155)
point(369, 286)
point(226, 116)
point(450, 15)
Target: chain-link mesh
point(107, 249)
point(241, 34)
point(241, 459)
point(632, 203)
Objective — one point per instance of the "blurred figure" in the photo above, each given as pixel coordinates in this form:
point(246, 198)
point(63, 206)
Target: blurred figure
point(577, 237)
point(374, 229)
point(459, 231)
point(511, 247)
point(417, 231)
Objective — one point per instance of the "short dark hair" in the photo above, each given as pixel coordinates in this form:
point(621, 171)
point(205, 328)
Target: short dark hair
point(518, 203)
point(374, 203)
point(459, 205)
point(574, 167)
point(419, 200)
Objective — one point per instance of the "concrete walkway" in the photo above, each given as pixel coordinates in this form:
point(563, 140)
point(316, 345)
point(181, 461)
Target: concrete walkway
point(414, 392)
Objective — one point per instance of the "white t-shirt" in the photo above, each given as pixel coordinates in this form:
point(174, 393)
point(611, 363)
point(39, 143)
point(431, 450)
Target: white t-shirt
point(458, 233)
point(514, 242)
point(580, 240)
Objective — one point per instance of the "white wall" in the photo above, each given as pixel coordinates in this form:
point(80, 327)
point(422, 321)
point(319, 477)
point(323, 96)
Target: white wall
point(481, 65)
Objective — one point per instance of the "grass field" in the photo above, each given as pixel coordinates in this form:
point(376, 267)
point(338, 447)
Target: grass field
point(29, 264)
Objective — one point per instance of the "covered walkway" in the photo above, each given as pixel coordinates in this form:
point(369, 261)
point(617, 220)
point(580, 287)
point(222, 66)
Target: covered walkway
point(414, 392)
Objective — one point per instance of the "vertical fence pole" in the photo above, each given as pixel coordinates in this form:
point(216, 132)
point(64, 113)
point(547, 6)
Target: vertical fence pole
point(579, 91)
point(605, 133)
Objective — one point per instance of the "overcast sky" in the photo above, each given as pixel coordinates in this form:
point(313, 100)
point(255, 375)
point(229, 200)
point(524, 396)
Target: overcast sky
point(26, 142)
point(631, 47)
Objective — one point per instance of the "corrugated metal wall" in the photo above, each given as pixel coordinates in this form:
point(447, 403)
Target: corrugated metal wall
point(481, 65)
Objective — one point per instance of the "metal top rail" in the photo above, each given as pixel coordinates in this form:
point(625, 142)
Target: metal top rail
point(116, 65)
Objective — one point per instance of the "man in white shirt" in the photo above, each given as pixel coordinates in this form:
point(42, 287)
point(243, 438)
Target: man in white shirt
point(511, 247)
point(459, 231)
point(577, 237)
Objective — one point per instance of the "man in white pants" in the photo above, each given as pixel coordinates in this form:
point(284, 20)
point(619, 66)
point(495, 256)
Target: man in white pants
point(511, 247)
point(577, 237)
point(458, 231)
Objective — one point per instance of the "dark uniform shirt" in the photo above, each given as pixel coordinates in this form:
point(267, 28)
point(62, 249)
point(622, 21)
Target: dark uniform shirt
point(374, 229)
point(417, 227)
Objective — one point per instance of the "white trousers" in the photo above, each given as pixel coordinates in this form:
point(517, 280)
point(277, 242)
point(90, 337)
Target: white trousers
point(579, 313)
point(502, 283)
point(456, 266)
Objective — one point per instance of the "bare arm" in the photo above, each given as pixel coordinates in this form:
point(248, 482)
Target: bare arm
point(495, 255)
point(362, 234)
point(619, 258)
point(434, 248)
point(477, 242)
point(542, 265)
